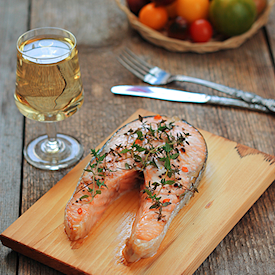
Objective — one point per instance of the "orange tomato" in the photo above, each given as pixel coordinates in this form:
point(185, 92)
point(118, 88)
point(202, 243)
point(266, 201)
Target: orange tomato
point(153, 16)
point(192, 10)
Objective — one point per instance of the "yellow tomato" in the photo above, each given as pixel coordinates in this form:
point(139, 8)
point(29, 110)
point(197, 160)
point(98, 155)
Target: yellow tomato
point(192, 10)
point(153, 16)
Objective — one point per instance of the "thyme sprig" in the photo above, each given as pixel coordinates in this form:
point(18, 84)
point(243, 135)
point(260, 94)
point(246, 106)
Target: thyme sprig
point(98, 173)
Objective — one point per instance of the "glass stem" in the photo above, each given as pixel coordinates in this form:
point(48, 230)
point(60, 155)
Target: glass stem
point(52, 144)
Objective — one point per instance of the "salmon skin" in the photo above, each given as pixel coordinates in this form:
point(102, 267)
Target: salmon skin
point(165, 156)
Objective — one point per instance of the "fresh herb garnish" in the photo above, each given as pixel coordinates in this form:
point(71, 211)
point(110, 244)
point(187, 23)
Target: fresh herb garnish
point(98, 175)
point(144, 152)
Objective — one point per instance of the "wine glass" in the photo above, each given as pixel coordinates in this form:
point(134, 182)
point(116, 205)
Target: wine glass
point(49, 89)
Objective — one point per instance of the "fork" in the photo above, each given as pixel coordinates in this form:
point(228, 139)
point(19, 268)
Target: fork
point(156, 76)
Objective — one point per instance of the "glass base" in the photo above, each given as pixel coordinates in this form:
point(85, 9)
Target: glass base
point(53, 155)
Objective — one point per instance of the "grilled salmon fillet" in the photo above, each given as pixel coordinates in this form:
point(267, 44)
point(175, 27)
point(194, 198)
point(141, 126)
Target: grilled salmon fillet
point(168, 153)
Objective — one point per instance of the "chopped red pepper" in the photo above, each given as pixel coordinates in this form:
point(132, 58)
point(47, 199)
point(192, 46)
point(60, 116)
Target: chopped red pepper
point(79, 210)
point(184, 169)
point(138, 141)
point(166, 200)
point(157, 117)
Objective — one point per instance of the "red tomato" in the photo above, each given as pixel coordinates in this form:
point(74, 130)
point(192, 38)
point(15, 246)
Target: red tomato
point(201, 31)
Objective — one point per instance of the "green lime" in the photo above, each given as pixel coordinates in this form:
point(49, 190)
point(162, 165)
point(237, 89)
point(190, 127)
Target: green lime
point(232, 17)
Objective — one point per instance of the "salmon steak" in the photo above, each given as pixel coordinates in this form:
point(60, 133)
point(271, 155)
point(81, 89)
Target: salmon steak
point(164, 157)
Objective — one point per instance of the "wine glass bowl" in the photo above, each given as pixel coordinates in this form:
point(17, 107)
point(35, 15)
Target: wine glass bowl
point(49, 89)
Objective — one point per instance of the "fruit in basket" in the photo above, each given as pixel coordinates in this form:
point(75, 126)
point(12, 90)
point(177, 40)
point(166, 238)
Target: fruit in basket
point(136, 5)
point(171, 9)
point(197, 20)
point(232, 17)
point(192, 10)
point(260, 5)
point(178, 28)
point(163, 2)
point(201, 31)
point(153, 16)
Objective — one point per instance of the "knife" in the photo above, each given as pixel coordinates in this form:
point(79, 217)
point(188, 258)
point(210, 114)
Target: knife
point(183, 96)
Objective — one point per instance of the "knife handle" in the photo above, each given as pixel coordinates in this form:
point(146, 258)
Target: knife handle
point(217, 100)
point(248, 97)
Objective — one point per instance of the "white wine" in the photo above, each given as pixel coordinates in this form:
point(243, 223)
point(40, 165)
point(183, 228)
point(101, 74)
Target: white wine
point(49, 89)
point(48, 81)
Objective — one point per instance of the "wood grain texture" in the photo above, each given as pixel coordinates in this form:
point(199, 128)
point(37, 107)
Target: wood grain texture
point(232, 182)
point(95, 23)
point(11, 123)
point(249, 246)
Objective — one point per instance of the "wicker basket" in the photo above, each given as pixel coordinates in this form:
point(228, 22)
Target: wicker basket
point(176, 45)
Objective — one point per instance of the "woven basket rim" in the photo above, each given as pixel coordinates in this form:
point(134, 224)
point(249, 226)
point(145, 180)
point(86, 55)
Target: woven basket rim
point(159, 39)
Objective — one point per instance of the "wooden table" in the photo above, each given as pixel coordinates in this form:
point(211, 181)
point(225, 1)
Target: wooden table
point(102, 31)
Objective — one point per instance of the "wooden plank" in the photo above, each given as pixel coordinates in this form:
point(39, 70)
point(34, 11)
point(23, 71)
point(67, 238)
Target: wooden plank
point(248, 68)
point(95, 23)
point(234, 179)
point(13, 22)
point(109, 112)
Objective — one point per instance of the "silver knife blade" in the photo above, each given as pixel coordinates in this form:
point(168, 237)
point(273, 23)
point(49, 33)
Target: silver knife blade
point(160, 93)
point(183, 96)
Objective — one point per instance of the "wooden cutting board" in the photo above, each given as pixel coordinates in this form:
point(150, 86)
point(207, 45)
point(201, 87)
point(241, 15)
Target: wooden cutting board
point(234, 179)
